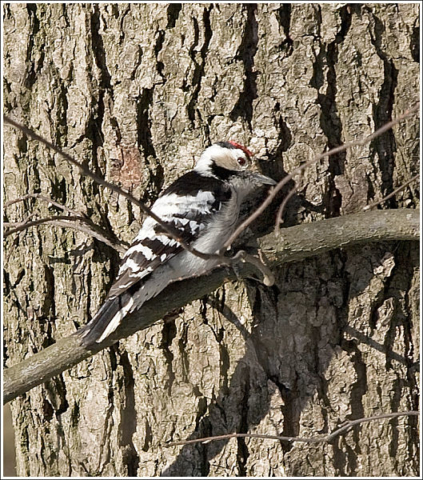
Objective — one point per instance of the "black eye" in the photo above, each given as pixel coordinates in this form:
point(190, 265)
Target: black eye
point(242, 162)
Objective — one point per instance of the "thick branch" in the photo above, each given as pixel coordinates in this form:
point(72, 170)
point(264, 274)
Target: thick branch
point(296, 243)
point(293, 244)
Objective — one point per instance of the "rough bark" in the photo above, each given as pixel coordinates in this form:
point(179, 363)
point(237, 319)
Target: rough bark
point(137, 91)
point(295, 243)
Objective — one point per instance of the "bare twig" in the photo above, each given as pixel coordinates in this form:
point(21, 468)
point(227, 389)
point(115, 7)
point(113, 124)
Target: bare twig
point(67, 221)
point(399, 189)
point(172, 232)
point(317, 439)
point(46, 200)
point(274, 191)
point(89, 228)
point(282, 207)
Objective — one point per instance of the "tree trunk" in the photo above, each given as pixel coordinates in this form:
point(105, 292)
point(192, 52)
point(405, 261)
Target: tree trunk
point(137, 91)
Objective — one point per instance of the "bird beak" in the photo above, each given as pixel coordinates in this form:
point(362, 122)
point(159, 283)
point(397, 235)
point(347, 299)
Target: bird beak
point(259, 178)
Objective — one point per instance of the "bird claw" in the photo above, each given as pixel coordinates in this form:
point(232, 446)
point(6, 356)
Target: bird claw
point(256, 261)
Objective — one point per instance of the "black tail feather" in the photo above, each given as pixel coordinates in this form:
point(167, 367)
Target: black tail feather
point(91, 332)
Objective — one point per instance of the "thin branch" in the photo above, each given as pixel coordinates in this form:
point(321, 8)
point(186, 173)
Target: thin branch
point(352, 423)
point(46, 200)
point(317, 439)
point(172, 232)
point(399, 189)
point(274, 191)
point(282, 207)
point(66, 221)
point(296, 244)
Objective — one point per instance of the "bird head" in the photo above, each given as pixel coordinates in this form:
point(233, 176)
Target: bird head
point(225, 160)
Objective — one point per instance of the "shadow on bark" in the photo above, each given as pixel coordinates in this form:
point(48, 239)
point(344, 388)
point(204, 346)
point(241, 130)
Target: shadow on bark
point(306, 378)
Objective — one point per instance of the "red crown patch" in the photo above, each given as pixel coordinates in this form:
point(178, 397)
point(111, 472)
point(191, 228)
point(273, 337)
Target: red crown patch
point(245, 150)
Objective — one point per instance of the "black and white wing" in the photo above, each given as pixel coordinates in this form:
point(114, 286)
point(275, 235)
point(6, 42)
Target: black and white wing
point(187, 206)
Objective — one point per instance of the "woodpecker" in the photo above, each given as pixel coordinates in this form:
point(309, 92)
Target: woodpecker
point(203, 206)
